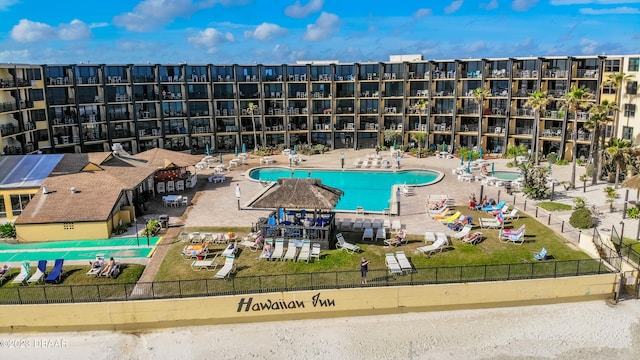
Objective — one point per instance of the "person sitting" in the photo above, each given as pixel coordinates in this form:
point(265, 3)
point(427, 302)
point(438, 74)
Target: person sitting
point(98, 263)
point(472, 202)
point(107, 269)
point(267, 250)
point(4, 269)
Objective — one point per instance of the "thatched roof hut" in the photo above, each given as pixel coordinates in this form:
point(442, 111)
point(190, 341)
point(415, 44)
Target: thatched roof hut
point(308, 194)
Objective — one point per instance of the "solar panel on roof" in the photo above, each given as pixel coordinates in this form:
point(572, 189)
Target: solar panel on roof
point(26, 171)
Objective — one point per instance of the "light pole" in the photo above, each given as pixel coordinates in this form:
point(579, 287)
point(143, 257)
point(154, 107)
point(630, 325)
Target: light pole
point(238, 195)
point(137, 238)
point(342, 160)
point(146, 227)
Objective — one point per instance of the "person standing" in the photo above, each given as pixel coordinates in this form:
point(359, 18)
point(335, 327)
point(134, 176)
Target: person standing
point(364, 267)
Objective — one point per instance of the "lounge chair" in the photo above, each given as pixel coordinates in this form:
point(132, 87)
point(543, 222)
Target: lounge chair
point(403, 261)
point(38, 276)
point(462, 233)
point(542, 255)
point(438, 212)
point(227, 269)
point(267, 249)
point(407, 190)
point(396, 225)
point(444, 213)
point(490, 223)
point(498, 206)
point(381, 234)
point(505, 234)
point(358, 224)
point(253, 245)
point(439, 245)
point(514, 214)
point(199, 265)
point(366, 223)
point(514, 239)
point(392, 264)
point(315, 251)
point(500, 211)
point(55, 276)
point(113, 272)
point(278, 250)
point(377, 223)
point(291, 251)
point(195, 251)
point(451, 218)
point(367, 234)
point(305, 251)
point(398, 239)
point(96, 266)
point(346, 224)
point(472, 238)
point(429, 237)
point(231, 249)
point(25, 269)
point(342, 244)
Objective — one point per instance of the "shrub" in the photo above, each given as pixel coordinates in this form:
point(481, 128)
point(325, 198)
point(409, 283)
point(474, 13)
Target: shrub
point(7, 230)
point(580, 162)
point(633, 213)
point(562, 162)
point(579, 203)
point(152, 227)
point(582, 219)
point(552, 157)
point(589, 171)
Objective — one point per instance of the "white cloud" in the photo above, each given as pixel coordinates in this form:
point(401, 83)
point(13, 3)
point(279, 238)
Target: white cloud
point(478, 45)
point(4, 4)
point(32, 31)
point(588, 46)
point(98, 25)
point(453, 7)
point(301, 11)
point(493, 4)
point(618, 10)
point(326, 26)
point(150, 15)
point(265, 31)
point(523, 5)
point(75, 30)
point(584, 2)
point(420, 13)
point(210, 39)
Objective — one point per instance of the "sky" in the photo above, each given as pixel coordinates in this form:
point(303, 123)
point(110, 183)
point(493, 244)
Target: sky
point(284, 31)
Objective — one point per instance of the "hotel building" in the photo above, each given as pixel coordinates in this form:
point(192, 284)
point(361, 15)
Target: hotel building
point(88, 107)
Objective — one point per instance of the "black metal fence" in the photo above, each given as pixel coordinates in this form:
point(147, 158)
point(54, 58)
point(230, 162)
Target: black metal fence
point(44, 294)
point(623, 249)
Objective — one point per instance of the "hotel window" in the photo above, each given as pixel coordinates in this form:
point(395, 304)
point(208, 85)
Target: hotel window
point(627, 132)
point(629, 110)
point(609, 89)
point(634, 64)
point(3, 209)
point(632, 88)
point(19, 202)
point(612, 66)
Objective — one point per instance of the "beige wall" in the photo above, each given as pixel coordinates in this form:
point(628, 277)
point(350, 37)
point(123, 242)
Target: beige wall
point(56, 231)
point(5, 196)
point(137, 315)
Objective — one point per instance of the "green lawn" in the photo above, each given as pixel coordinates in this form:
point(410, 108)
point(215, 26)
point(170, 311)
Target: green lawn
point(554, 206)
point(489, 251)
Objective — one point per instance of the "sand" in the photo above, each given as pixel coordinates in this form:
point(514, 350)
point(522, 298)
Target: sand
point(587, 330)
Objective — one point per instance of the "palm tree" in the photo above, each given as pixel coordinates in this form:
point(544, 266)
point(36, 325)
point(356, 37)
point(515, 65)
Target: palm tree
point(250, 110)
point(576, 99)
point(479, 95)
point(599, 116)
point(620, 155)
point(515, 151)
point(420, 106)
point(538, 102)
point(616, 80)
point(419, 138)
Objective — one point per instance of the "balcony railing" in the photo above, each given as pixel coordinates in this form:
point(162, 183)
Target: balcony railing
point(587, 73)
point(524, 131)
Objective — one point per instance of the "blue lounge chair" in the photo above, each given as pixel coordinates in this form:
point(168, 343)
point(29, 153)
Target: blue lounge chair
point(542, 255)
point(498, 206)
point(56, 274)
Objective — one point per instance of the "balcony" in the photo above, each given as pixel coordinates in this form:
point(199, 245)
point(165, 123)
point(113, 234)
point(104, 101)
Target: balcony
point(441, 127)
point(469, 128)
point(552, 132)
point(587, 73)
point(524, 112)
point(8, 129)
point(501, 130)
point(468, 110)
point(556, 73)
point(524, 131)
point(499, 73)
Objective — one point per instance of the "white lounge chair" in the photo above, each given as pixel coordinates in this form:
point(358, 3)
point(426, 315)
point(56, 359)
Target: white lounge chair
point(490, 223)
point(392, 264)
point(367, 234)
point(315, 251)
point(291, 251)
point(227, 269)
point(305, 251)
point(231, 249)
point(462, 233)
point(253, 245)
point(346, 224)
point(429, 237)
point(403, 261)
point(472, 238)
point(342, 244)
point(381, 234)
point(358, 224)
point(267, 249)
point(199, 265)
point(396, 225)
point(439, 245)
point(38, 276)
point(514, 214)
point(278, 250)
point(25, 269)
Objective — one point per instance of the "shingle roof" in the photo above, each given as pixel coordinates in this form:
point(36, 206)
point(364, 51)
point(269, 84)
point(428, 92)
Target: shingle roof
point(99, 179)
point(161, 158)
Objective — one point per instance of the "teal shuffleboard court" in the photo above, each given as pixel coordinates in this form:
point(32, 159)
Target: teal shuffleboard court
point(77, 250)
point(369, 189)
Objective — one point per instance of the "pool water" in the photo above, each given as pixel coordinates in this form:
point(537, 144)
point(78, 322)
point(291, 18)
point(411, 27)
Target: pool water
point(506, 175)
point(77, 250)
point(369, 189)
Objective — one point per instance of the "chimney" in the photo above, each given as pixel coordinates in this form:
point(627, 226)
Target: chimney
point(45, 190)
point(74, 190)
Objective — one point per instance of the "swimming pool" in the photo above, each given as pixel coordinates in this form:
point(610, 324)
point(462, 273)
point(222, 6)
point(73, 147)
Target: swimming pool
point(506, 175)
point(78, 249)
point(369, 189)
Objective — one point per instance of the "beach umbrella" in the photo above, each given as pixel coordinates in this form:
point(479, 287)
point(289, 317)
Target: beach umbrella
point(470, 157)
point(444, 146)
point(394, 145)
point(206, 149)
point(244, 147)
point(493, 168)
point(462, 160)
point(469, 167)
point(236, 151)
point(295, 149)
point(220, 158)
point(480, 157)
